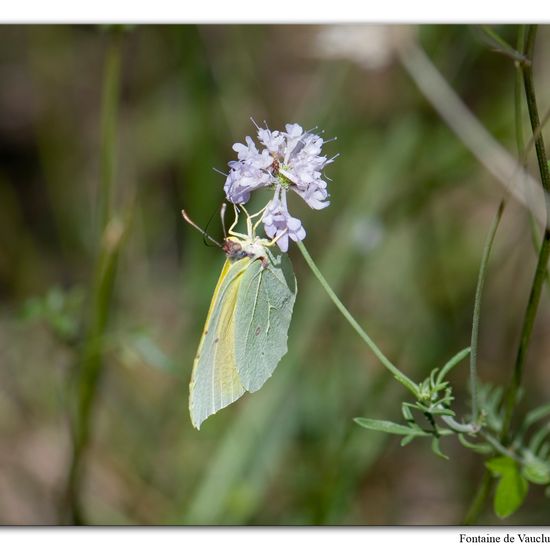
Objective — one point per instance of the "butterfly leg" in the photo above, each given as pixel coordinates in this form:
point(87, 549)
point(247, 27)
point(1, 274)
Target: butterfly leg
point(260, 213)
point(263, 259)
point(275, 239)
point(235, 221)
point(252, 216)
point(248, 223)
point(231, 231)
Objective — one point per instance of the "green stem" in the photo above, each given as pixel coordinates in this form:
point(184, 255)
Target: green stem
point(451, 364)
point(399, 376)
point(544, 252)
point(518, 101)
point(90, 363)
point(527, 69)
point(498, 446)
point(478, 503)
point(523, 150)
point(484, 487)
point(109, 112)
point(458, 427)
point(477, 309)
point(483, 490)
point(501, 45)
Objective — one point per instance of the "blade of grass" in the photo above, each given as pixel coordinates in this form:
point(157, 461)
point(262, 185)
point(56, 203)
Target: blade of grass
point(477, 310)
point(513, 389)
point(490, 153)
point(111, 233)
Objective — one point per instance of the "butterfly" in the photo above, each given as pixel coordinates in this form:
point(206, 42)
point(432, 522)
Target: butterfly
point(246, 328)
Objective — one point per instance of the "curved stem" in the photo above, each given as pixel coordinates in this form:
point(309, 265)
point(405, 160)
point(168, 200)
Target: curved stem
point(459, 427)
point(518, 101)
point(498, 446)
point(111, 232)
point(544, 252)
point(399, 376)
point(478, 503)
point(484, 488)
point(501, 46)
point(109, 112)
point(477, 309)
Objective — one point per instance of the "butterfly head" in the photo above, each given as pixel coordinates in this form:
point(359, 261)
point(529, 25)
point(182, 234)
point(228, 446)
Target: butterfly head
point(253, 248)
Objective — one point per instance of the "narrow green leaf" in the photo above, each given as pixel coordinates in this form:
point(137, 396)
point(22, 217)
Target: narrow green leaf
point(441, 412)
point(538, 476)
point(436, 448)
point(432, 378)
point(537, 414)
point(388, 427)
point(477, 311)
point(535, 470)
point(452, 362)
point(538, 438)
point(500, 45)
point(482, 448)
point(407, 439)
point(406, 411)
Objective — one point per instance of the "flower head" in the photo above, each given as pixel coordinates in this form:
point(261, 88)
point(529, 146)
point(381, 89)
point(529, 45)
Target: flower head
point(289, 160)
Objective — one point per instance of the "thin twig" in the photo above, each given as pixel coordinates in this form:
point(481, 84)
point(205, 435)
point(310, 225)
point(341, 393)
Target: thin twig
point(513, 389)
point(490, 153)
point(478, 503)
point(111, 233)
point(399, 376)
point(477, 310)
point(499, 45)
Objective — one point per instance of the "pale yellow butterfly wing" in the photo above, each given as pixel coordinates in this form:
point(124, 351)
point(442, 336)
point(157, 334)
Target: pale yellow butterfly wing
point(215, 382)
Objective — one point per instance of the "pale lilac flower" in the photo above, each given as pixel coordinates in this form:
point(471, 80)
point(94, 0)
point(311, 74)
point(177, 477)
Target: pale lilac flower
point(273, 141)
point(289, 160)
point(242, 180)
point(278, 223)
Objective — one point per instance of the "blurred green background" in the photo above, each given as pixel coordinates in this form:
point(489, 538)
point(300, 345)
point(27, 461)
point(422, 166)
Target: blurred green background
point(401, 244)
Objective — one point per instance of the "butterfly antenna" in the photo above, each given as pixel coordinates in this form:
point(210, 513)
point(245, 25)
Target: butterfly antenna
point(219, 171)
point(206, 228)
point(199, 229)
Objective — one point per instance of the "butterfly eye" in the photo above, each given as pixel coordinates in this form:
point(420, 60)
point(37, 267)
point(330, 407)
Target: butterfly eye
point(233, 250)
